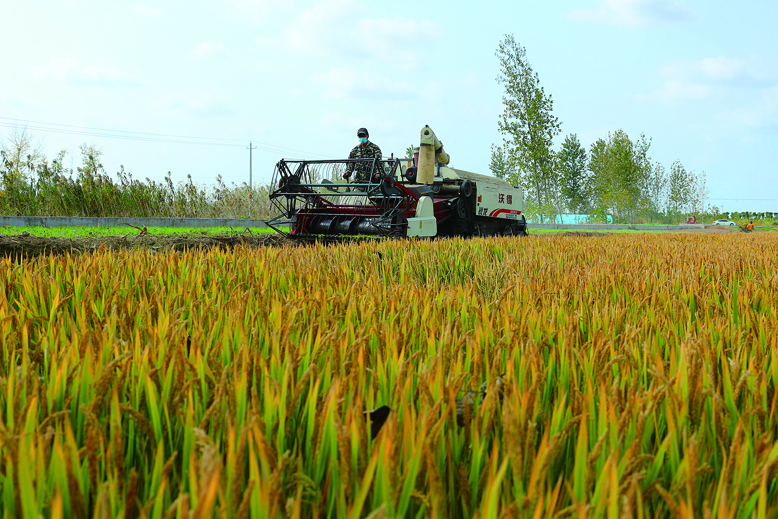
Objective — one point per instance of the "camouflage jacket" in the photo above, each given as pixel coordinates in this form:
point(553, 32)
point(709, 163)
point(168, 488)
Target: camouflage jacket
point(362, 169)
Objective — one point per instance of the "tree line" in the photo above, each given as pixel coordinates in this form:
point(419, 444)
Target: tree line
point(615, 177)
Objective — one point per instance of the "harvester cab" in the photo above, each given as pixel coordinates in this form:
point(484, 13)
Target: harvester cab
point(420, 196)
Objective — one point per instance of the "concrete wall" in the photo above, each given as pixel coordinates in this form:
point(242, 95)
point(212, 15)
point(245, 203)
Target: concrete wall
point(613, 227)
point(571, 218)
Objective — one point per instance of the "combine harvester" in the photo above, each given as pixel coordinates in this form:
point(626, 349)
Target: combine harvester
point(425, 199)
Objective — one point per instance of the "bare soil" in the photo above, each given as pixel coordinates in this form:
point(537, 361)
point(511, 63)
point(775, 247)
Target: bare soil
point(712, 229)
point(26, 246)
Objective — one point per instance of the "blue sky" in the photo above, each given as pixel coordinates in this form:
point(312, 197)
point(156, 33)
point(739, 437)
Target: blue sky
point(299, 77)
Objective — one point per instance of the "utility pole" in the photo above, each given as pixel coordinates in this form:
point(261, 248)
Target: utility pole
point(251, 149)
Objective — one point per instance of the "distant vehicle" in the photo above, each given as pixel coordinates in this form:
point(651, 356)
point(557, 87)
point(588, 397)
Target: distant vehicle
point(725, 222)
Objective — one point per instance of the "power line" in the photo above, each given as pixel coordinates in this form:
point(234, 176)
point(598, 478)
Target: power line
point(144, 136)
point(111, 136)
point(115, 131)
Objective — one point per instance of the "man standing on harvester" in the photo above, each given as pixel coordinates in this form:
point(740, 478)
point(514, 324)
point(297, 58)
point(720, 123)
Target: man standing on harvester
point(364, 150)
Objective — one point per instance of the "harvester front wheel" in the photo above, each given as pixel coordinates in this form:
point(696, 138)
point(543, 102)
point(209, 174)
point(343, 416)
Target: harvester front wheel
point(466, 189)
point(523, 227)
point(461, 208)
point(509, 230)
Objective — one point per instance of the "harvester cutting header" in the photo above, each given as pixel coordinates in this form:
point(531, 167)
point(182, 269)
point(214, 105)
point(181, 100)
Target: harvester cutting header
point(418, 197)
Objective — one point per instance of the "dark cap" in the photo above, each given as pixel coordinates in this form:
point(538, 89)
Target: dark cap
point(362, 131)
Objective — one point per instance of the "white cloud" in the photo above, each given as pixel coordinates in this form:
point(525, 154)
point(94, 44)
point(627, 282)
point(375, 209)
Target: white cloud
point(71, 71)
point(677, 91)
point(341, 29)
point(737, 93)
point(762, 112)
point(751, 71)
point(146, 10)
point(635, 13)
point(710, 78)
point(206, 49)
point(258, 11)
point(349, 83)
point(196, 104)
point(721, 68)
point(399, 41)
point(322, 27)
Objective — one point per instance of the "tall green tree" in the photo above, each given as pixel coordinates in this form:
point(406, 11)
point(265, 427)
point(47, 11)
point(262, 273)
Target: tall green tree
point(680, 189)
point(603, 186)
point(656, 191)
point(500, 165)
point(687, 191)
point(528, 125)
point(699, 192)
point(574, 177)
point(620, 174)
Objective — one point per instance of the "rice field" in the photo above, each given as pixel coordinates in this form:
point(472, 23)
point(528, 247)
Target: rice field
point(627, 375)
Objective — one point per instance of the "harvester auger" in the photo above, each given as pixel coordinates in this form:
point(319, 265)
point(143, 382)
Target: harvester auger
point(419, 197)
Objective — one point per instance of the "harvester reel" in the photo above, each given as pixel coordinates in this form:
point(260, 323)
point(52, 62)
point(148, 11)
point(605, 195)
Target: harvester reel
point(289, 181)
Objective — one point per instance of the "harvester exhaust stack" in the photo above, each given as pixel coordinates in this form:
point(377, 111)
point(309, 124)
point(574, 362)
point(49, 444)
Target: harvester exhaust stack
point(430, 153)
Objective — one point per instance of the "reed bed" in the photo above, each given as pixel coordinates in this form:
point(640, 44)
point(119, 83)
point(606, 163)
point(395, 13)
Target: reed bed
point(639, 372)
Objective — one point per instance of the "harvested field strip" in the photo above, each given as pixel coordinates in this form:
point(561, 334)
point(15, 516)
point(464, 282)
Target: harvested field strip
point(128, 231)
point(640, 378)
point(30, 246)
